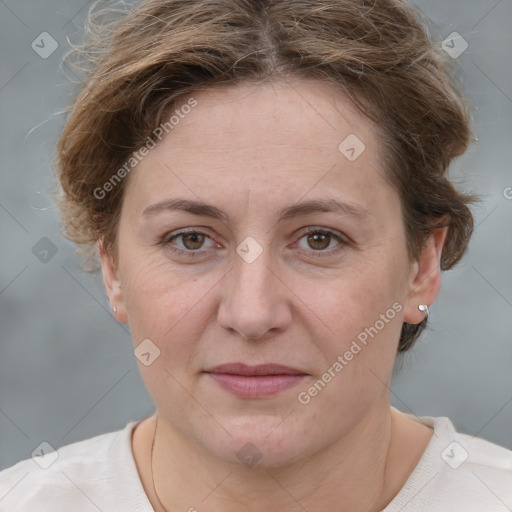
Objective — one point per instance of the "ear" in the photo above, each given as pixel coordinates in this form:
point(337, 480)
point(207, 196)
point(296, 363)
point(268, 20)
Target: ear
point(425, 281)
point(112, 283)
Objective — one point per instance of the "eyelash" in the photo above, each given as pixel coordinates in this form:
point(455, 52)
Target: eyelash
point(166, 242)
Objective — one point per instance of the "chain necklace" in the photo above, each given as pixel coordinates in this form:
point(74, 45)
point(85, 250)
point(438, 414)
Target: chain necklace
point(151, 465)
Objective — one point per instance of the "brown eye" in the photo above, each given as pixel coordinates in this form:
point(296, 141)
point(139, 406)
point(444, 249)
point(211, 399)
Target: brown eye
point(192, 241)
point(187, 243)
point(319, 240)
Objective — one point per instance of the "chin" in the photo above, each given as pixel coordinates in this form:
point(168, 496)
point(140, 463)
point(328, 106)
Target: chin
point(260, 442)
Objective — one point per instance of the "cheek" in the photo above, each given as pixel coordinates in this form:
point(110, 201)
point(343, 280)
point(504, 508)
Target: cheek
point(359, 349)
point(364, 306)
point(164, 303)
point(165, 307)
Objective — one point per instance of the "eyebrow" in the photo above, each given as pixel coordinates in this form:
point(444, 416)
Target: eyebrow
point(296, 210)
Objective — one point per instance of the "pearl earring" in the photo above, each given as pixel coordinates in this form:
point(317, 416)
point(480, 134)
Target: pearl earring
point(424, 308)
point(114, 309)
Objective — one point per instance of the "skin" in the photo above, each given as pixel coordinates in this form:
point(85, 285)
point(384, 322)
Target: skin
point(252, 150)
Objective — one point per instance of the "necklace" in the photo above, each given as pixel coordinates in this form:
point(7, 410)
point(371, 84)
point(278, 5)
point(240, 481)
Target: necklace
point(151, 466)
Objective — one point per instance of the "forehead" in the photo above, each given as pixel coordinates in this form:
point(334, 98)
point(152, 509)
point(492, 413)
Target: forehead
point(273, 114)
point(286, 138)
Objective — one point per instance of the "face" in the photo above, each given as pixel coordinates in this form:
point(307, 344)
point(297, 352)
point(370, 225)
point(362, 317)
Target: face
point(258, 277)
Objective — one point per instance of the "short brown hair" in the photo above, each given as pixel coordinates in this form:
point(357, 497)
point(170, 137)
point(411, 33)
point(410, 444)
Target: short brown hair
point(378, 52)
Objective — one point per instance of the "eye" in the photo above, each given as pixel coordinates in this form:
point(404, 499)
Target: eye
point(318, 240)
point(191, 242)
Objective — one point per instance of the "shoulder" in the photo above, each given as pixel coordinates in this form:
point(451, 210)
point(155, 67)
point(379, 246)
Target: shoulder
point(457, 472)
point(480, 466)
point(78, 476)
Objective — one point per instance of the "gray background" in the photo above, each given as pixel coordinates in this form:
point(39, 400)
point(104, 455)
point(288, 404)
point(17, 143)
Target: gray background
point(67, 370)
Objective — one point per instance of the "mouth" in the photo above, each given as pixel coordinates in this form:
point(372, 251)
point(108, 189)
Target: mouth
point(258, 381)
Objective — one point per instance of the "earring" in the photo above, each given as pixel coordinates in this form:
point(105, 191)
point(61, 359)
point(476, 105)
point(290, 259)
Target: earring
point(114, 309)
point(424, 308)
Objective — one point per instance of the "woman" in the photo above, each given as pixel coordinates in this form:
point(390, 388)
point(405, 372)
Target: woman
point(265, 186)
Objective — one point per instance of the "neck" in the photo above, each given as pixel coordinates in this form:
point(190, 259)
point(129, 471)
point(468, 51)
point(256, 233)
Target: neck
point(356, 473)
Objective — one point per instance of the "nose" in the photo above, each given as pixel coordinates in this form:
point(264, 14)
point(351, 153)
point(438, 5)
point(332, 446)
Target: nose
point(255, 300)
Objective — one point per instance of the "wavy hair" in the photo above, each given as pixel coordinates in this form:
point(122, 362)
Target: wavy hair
point(137, 63)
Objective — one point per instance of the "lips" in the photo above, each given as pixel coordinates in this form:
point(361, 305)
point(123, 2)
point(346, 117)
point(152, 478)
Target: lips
point(253, 382)
point(250, 371)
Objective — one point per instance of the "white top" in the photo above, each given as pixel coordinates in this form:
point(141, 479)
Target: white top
point(456, 473)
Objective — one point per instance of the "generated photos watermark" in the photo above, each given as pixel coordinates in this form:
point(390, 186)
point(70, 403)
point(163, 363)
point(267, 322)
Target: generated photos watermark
point(304, 397)
point(138, 156)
